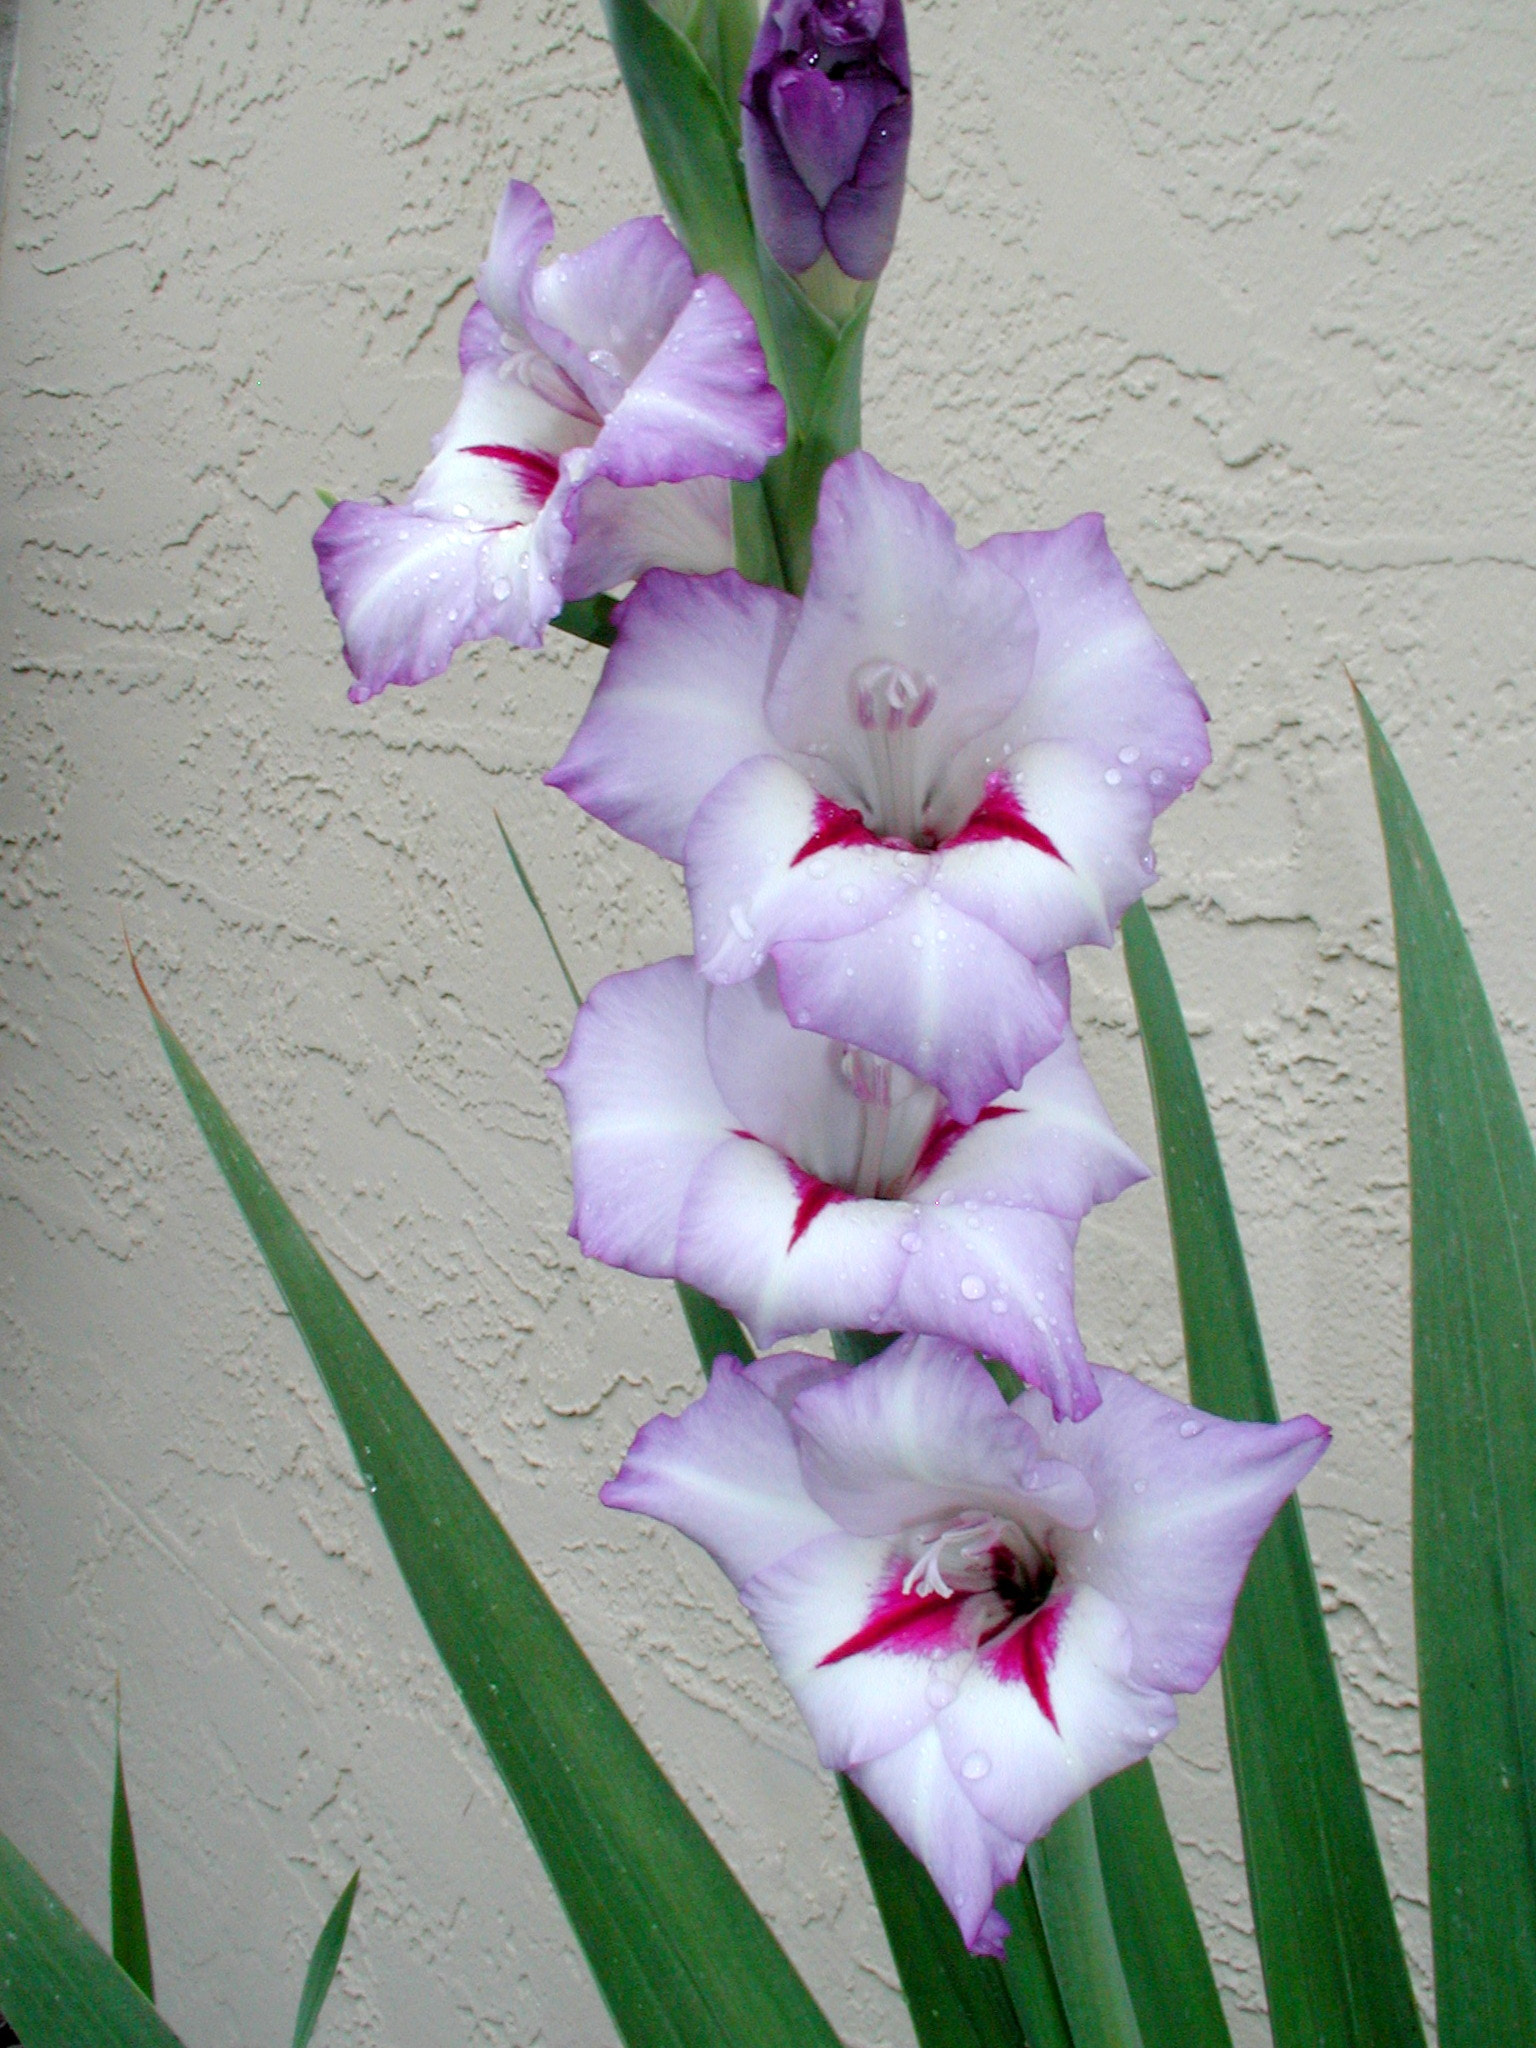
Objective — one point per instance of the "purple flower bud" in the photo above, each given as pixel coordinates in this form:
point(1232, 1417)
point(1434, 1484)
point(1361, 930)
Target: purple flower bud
point(826, 116)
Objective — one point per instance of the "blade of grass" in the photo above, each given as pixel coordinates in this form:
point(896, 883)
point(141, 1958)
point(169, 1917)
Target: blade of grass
point(538, 909)
point(58, 1987)
point(322, 1964)
point(1472, 1179)
point(130, 1930)
point(956, 2000)
point(1166, 1966)
point(678, 1950)
point(1333, 1959)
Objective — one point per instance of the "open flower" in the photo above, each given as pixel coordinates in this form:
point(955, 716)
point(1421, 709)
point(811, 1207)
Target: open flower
point(826, 118)
point(607, 398)
point(809, 1186)
point(981, 1612)
point(910, 790)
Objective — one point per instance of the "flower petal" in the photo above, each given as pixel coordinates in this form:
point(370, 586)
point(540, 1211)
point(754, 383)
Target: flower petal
point(1022, 1766)
point(890, 584)
point(808, 1605)
point(679, 704)
point(1184, 1497)
point(724, 1472)
point(524, 229)
point(644, 1112)
point(619, 534)
point(967, 1857)
point(930, 988)
point(602, 312)
point(407, 590)
point(917, 1434)
point(752, 886)
point(700, 405)
point(999, 1280)
point(1102, 678)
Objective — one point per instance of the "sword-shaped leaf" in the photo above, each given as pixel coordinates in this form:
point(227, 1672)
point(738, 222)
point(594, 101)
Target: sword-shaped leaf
point(58, 1986)
point(130, 1930)
point(679, 1951)
point(322, 1964)
point(1332, 1956)
point(1472, 1179)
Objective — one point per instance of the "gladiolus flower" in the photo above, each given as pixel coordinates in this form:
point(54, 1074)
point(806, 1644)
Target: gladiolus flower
point(826, 118)
point(910, 790)
point(608, 397)
point(809, 1186)
point(981, 1611)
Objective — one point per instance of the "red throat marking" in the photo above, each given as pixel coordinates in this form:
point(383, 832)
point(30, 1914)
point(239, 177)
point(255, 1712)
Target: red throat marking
point(999, 815)
point(537, 474)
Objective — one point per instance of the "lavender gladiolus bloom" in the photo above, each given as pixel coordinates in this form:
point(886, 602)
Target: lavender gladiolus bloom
point(911, 790)
point(607, 399)
point(809, 1186)
point(826, 117)
point(981, 1611)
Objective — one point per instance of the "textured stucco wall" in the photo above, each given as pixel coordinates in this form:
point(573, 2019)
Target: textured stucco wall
point(1256, 280)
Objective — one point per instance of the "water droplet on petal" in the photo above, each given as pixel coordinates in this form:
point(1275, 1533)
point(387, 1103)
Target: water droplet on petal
point(910, 1241)
point(501, 590)
point(848, 893)
point(1189, 1429)
point(999, 1307)
point(1140, 1486)
point(973, 1287)
point(741, 924)
point(1130, 754)
point(976, 1765)
point(1157, 778)
point(940, 1693)
point(917, 938)
point(1112, 776)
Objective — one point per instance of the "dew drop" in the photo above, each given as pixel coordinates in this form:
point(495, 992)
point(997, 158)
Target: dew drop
point(1157, 778)
point(973, 1287)
point(947, 1196)
point(910, 1241)
point(741, 924)
point(848, 893)
point(1112, 776)
point(1140, 1486)
point(1152, 1735)
point(999, 1307)
point(501, 590)
point(976, 1765)
point(461, 511)
point(1189, 1429)
point(1130, 754)
point(917, 938)
point(940, 1693)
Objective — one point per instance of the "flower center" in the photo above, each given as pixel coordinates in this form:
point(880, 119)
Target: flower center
point(982, 1553)
point(895, 778)
point(896, 1114)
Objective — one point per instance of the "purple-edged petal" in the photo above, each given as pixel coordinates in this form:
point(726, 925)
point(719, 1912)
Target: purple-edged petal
point(1186, 1497)
point(724, 1472)
point(891, 590)
point(679, 705)
point(524, 229)
point(701, 405)
point(932, 989)
point(999, 1280)
point(644, 1113)
point(920, 1433)
point(966, 1856)
point(809, 1605)
point(744, 1239)
point(752, 884)
point(619, 534)
point(602, 312)
point(1103, 679)
point(407, 590)
point(1048, 1145)
point(1022, 1764)
point(786, 216)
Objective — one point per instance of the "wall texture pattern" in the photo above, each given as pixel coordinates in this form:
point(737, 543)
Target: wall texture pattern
point(1254, 277)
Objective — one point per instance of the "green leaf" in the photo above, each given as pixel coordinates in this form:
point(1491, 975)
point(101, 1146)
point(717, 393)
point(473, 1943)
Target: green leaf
point(693, 141)
point(825, 406)
point(956, 2000)
point(588, 618)
point(722, 31)
point(1333, 1960)
point(1166, 1967)
point(322, 1964)
point(58, 1987)
point(713, 1328)
point(538, 909)
point(1472, 1177)
point(1074, 1910)
point(327, 498)
point(130, 1930)
point(679, 1951)
point(1028, 1970)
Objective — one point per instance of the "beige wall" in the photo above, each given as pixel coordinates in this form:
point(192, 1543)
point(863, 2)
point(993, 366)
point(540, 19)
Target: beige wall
point(1255, 280)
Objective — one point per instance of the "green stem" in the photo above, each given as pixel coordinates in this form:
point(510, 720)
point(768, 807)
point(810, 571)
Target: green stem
point(1069, 1884)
